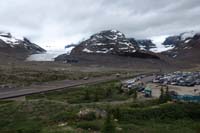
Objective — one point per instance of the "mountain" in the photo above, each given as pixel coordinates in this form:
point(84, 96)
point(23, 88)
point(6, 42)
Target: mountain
point(112, 48)
point(172, 41)
point(111, 42)
point(175, 41)
point(186, 48)
point(107, 42)
point(14, 47)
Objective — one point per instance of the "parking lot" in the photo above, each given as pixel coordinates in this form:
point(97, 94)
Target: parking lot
point(182, 83)
point(179, 79)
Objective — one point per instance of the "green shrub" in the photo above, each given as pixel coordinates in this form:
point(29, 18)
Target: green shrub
point(116, 113)
point(87, 95)
point(167, 111)
point(92, 125)
point(109, 125)
point(63, 116)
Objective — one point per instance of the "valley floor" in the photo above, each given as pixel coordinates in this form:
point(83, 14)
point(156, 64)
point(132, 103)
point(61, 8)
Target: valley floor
point(102, 107)
point(86, 108)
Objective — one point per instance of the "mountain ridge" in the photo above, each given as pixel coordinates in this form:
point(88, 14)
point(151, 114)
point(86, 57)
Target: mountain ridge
point(17, 48)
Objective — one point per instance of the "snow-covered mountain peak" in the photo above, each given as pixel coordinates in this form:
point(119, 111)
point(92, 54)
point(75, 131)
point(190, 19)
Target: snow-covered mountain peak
point(4, 34)
point(9, 39)
point(108, 41)
point(108, 34)
point(15, 45)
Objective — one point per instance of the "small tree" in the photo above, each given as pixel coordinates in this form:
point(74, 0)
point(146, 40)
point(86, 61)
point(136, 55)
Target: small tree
point(134, 94)
point(161, 98)
point(167, 95)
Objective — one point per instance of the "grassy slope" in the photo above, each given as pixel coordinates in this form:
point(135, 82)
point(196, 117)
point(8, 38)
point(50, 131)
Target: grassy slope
point(57, 113)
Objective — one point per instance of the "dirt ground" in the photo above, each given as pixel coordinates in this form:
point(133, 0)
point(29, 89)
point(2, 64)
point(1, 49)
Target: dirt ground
point(181, 90)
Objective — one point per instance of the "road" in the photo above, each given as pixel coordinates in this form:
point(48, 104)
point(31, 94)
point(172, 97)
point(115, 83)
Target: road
point(7, 93)
point(50, 86)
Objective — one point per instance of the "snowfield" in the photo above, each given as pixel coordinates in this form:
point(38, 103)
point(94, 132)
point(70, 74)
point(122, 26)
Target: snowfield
point(49, 55)
point(159, 46)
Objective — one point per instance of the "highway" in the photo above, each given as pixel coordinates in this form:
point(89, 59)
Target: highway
point(7, 93)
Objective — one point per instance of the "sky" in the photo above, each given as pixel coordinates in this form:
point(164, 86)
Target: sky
point(56, 23)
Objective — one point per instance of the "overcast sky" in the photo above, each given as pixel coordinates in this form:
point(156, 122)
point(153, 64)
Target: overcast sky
point(60, 22)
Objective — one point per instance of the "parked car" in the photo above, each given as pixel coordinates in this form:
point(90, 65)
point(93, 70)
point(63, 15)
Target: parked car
point(140, 89)
point(173, 93)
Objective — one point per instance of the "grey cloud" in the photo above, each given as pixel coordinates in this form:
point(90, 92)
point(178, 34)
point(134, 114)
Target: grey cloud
point(59, 19)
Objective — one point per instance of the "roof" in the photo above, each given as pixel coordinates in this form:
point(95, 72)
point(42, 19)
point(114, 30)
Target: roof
point(147, 89)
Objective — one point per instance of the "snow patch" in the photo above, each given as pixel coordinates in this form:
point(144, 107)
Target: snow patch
point(158, 40)
point(87, 50)
point(99, 44)
point(187, 41)
point(9, 40)
point(125, 43)
point(124, 48)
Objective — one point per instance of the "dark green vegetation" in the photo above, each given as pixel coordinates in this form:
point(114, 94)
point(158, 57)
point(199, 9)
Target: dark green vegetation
point(103, 109)
point(164, 95)
point(86, 94)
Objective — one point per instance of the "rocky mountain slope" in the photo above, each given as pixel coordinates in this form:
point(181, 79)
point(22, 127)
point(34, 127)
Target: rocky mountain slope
point(146, 45)
point(175, 41)
point(107, 42)
point(186, 48)
point(17, 48)
point(110, 42)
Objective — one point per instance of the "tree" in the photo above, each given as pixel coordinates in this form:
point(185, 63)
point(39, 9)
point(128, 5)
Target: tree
point(161, 98)
point(167, 95)
point(164, 96)
point(109, 126)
